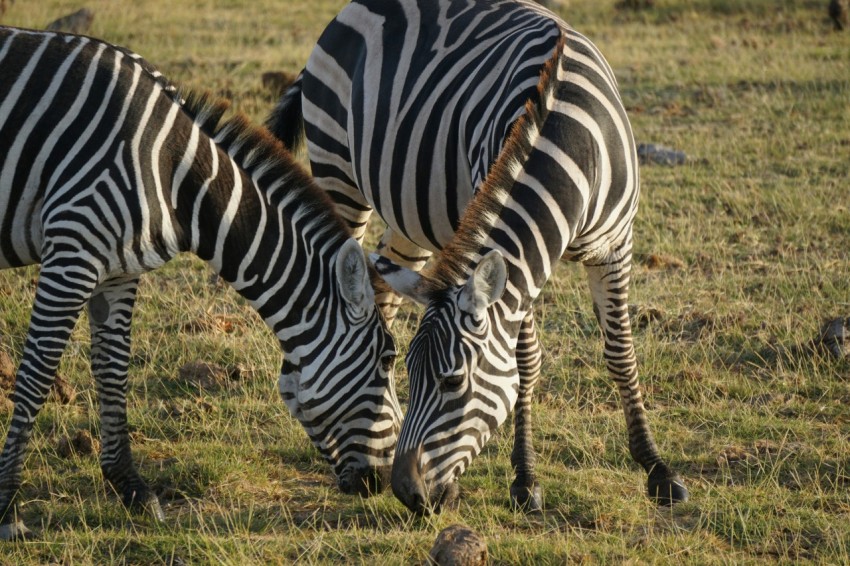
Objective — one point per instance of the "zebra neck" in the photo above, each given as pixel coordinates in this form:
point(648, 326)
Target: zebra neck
point(266, 235)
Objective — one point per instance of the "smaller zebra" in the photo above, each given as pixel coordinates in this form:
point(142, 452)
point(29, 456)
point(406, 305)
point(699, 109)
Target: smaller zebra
point(105, 174)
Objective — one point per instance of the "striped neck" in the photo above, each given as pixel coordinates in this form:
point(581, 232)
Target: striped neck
point(245, 206)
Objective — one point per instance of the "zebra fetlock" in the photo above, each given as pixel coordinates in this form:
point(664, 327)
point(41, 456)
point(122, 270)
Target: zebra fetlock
point(135, 494)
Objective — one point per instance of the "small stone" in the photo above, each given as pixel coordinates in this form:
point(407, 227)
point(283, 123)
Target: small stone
point(458, 545)
point(661, 261)
point(839, 12)
point(78, 22)
point(660, 155)
point(209, 376)
point(835, 337)
point(63, 391)
point(7, 372)
point(277, 81)
point(81, 443)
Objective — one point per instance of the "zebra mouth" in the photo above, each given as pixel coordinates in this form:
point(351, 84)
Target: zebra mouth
point(444, 496)
point(364, 481)
point(448, 496)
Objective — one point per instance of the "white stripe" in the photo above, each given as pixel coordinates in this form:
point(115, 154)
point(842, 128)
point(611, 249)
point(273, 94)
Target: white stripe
point(136, 148)
point(167, 229)
point(227, 217)
point(250, 254)
point(185, 165)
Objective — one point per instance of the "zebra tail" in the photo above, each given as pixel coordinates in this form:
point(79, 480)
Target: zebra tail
point(286, 121)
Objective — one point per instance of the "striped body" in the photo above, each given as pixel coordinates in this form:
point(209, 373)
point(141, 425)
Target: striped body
point(427, 103)
point(105, 173)
point(471, 127)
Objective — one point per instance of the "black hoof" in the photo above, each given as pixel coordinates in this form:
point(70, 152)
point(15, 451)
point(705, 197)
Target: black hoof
point(666, 488)
point(527, 500)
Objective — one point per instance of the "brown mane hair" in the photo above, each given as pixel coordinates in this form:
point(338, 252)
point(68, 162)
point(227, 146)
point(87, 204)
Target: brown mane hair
point(257, 151)
point(485, 207)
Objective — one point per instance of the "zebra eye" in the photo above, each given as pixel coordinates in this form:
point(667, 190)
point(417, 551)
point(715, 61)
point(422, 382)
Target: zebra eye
point(452, 380)
point(388, 361)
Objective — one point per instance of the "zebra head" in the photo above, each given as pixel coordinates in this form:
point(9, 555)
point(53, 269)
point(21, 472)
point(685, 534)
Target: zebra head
point(463, 380)
point(338, 380)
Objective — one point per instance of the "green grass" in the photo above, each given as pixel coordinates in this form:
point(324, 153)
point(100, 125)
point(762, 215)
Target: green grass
point(755, 230)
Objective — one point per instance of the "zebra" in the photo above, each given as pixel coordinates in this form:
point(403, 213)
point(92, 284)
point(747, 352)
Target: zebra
point(106, 173)
point(492, 132)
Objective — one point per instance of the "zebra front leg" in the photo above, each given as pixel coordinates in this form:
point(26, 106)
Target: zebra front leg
point(110, 314)
point(60, 295)
point(403, 253)
point(609, 285)
point(525, 493)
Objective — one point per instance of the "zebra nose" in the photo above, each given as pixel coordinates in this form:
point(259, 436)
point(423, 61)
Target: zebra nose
point(407, 482)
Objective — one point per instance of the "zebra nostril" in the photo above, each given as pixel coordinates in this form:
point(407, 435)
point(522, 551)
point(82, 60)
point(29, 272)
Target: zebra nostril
point(407, 483)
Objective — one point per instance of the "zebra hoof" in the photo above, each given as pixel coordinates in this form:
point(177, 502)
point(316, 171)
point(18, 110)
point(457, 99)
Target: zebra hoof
point(527, 500)
point(15, 531)
point(667, 488)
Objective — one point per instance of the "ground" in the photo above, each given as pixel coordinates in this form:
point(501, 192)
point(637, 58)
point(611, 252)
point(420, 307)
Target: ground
point(741, 256)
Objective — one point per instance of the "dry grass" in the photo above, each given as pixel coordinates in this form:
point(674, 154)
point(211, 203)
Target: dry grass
point(742, 254)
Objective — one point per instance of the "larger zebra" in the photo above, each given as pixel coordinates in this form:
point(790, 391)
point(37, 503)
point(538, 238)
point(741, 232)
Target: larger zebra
point(406, 106)
point(106, 173)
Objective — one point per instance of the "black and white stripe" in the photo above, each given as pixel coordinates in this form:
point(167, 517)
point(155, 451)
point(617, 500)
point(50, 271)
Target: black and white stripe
point(427, 122)
point(105, 173)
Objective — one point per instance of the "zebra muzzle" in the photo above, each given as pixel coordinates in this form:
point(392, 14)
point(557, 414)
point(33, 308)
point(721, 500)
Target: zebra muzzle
point(364, 481)
point(410, 489)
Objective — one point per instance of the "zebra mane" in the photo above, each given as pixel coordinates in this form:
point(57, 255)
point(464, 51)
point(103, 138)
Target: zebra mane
point(261, 155)
point(453, 262)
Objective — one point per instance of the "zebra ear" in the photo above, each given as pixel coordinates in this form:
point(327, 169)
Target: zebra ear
point(486, 285)
point(353, 276)
point(403, 281)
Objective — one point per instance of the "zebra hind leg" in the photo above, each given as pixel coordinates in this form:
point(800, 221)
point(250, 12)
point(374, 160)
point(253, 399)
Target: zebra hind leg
point(609, 284)
point(526, 494)
point(110, 314)
point(61, 292)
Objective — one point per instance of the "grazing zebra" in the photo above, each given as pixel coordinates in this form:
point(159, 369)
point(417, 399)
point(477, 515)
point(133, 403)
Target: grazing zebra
point(502, 100)
point(105, 173)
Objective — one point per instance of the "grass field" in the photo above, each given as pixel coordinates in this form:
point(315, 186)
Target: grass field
point(742, 254)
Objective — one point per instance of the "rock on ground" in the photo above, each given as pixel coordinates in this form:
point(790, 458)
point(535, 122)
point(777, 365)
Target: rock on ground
point(81, 443)
point(78, 22)
point(835, 337)
point(458, 545)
